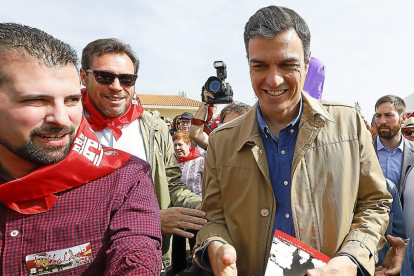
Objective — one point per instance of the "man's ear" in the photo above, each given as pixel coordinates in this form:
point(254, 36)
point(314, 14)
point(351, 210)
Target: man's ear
point(83, 76)
point(308, 62)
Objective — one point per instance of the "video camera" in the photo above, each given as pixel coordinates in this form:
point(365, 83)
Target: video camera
point(216, 85)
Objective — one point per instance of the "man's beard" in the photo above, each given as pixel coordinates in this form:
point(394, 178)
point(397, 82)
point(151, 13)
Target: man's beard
point(390, 133)
point(41, 155)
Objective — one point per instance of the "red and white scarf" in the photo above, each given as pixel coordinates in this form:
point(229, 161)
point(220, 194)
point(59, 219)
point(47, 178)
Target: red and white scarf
point(194, 153)
point(86, 161)
point(98, 122)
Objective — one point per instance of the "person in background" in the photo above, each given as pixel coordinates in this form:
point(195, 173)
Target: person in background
point(185, 121)
point(192, 166)
point(399, 258)
point(198, 132)
point(190, 160)
point(408, 129)
point(373, 128)
point(174, 125)
point(396, 226)
point(395, 153)
point(168, 122)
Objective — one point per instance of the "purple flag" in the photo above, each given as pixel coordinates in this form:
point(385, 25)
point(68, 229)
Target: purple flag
point(315, 78)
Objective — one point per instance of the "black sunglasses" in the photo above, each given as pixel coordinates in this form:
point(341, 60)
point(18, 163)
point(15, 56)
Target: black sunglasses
point(408, 132)
point(104, 77)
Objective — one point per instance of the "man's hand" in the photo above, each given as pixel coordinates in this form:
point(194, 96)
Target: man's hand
point(222, 259)
point(207, 95)
point(175, 219)
point(393, 259)
point(341, 265)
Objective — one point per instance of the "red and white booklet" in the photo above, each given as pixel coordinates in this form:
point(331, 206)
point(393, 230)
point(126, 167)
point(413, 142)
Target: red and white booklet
point(289, 256)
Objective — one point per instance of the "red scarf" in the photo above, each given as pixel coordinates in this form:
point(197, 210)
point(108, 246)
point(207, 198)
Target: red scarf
point(98, 121)
point(87, 160)
point(194, 153)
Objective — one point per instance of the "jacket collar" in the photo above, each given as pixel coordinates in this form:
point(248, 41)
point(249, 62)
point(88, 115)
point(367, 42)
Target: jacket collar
point(313, 111)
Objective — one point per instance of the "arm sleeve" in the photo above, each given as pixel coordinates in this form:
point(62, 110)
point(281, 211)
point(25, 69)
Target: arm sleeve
point(135, 229)
point(371, 213)
point(197, 131)
point(215, 229)
point(398, 223)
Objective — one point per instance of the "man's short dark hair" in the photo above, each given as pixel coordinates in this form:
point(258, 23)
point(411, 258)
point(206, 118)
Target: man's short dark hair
point(105, 46)
point(273, 20)
point(394, 100)
point(234, 107)
point(36, 44)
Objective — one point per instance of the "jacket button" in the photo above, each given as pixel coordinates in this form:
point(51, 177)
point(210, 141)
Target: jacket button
point(14, 233)
point(264, 212)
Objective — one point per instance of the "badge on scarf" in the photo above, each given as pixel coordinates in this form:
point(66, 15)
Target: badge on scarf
point(54, 261)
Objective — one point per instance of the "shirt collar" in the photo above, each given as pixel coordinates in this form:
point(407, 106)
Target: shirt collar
point(263, 126)
point(380, 146)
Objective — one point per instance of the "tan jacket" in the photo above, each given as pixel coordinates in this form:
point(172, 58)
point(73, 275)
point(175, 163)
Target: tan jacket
point(340, 202)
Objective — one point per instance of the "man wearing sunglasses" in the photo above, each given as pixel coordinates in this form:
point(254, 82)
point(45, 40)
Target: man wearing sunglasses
point(408, 129)
point(67, 204)
point(395, 152)
point(109, 72)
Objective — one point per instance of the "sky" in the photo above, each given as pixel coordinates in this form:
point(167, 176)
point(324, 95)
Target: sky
point(366, 45)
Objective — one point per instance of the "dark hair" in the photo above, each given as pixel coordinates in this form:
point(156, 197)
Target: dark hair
point(273, 20)
point(36, 44)
point(182, 135)
point(175, 122)
point(107, 45)
point(234, 107)
point(394, 100)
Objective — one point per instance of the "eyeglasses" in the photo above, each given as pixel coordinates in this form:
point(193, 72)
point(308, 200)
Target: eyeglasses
point(408, 132)
point(106, 78)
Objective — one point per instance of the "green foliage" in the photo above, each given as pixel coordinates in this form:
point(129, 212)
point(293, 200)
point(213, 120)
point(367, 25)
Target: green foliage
point(182, 94)
point(358, 109)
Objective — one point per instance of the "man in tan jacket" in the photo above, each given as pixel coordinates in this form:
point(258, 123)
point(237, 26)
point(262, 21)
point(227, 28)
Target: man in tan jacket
point(292, 163)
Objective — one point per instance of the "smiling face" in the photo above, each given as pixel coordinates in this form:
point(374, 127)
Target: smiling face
point(181, 148)
point(388, 120)
point(40, 111)
point(277, 71)
point(113, 99)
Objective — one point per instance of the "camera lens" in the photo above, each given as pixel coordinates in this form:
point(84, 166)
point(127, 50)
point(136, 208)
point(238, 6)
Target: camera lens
point(214, 86)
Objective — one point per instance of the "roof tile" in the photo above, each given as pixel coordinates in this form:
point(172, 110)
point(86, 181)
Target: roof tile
point(167, 100)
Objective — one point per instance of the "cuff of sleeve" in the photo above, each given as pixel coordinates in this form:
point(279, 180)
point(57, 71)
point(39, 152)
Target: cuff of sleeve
point(204, 259)
point(361, 269)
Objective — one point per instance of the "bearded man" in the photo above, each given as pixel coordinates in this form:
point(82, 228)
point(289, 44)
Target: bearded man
point(395, 153)
point(67, 203)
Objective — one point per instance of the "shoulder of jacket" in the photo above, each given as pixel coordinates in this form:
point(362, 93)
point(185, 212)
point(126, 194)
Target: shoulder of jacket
point(148, 117)
point(335, 104)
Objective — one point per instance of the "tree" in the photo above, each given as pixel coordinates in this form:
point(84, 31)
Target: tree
point(358, 109)
point(182, 94)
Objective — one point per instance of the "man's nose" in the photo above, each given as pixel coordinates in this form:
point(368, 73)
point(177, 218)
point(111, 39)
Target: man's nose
point(116, 85)
point(381, 120)
point(58, 115)
point(274, 78)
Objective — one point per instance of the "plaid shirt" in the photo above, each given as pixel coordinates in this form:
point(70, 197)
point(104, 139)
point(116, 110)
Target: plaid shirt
point(117, 214)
